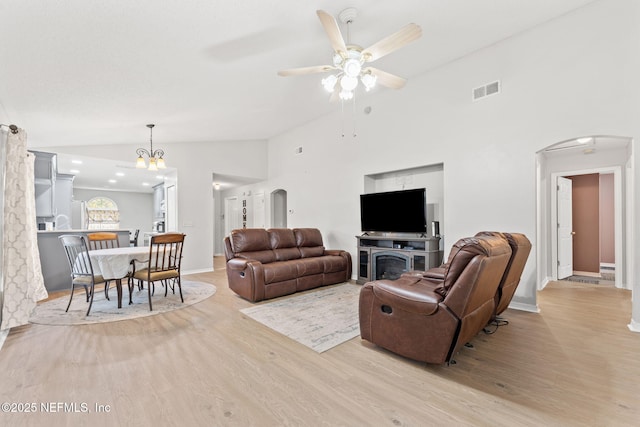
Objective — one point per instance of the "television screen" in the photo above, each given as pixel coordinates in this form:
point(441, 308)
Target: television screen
point(394, 211)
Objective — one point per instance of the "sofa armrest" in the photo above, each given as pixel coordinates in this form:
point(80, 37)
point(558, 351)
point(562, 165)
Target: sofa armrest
point(238, 264)
point(337, 252)
point(344, 254)
point(246, 278)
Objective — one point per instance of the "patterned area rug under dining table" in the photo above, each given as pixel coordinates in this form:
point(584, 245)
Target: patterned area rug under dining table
point(320, 318)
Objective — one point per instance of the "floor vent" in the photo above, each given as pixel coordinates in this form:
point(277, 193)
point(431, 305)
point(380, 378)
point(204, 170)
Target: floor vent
point(486, 90)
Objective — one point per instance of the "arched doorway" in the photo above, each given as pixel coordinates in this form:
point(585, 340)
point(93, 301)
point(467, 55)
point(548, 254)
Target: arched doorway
point(279, 208)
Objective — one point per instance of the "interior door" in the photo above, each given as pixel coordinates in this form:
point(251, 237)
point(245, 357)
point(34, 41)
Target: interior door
point(231, 215)
point(565, 228)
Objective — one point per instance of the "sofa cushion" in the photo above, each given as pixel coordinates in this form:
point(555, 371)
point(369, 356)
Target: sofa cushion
point(334, 263)
point(310, 266)
point(308, 237)
point(250, 240)
point(280, 271)
point(283, 243)
point(281, 238)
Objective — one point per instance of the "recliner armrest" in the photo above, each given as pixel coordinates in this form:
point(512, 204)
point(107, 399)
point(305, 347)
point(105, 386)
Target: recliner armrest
point(415, 296)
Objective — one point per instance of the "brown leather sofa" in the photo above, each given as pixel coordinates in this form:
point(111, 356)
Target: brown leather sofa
point(430, 319)
point(263, 264)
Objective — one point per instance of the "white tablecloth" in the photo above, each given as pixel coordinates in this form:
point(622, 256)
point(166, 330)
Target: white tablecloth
point(116, 263)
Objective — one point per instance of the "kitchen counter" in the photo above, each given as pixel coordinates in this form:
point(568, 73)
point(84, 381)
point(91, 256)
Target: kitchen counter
point(55, 267)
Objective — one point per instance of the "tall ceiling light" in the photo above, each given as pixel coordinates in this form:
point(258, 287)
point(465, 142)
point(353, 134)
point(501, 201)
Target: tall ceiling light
point(156, 160)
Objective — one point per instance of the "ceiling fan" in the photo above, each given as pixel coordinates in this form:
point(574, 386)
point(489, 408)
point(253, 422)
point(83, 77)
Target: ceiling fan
point(349, 59)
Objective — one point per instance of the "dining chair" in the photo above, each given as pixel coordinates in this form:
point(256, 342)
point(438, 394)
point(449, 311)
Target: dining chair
point(133, 238)
point(81, 269)
point(163, 265)
point(103, 240)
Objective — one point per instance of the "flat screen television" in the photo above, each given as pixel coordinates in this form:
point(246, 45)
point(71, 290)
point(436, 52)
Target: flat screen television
point(394, 211)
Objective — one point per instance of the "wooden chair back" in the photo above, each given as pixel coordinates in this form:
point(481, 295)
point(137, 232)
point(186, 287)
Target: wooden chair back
point(165, 252)
point(103, 240)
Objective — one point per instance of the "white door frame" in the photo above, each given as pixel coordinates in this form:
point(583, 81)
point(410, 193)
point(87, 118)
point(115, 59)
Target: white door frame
point(617, 185)
point(564, 230)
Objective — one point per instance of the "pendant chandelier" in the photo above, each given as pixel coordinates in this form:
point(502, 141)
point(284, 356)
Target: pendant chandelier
point(156, 160)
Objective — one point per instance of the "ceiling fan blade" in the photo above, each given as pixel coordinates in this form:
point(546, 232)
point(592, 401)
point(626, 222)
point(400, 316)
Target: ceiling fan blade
point(305, 70)
point(333, 31)
point(386, 79)
point(391, 43)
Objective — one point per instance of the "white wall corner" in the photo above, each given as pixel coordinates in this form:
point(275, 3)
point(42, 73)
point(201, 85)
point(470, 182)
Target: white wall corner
point(544, 283)
point(532, 308)
point(634, 326)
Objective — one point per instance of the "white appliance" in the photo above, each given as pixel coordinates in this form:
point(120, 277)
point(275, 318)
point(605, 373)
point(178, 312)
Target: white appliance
point(79, 220)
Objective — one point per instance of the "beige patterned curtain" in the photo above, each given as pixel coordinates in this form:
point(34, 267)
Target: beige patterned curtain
point(21, 282)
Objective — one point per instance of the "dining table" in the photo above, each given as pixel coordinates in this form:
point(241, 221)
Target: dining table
point(116, 264)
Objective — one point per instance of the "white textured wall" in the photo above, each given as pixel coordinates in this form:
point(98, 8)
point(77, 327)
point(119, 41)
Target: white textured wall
point(574, 76)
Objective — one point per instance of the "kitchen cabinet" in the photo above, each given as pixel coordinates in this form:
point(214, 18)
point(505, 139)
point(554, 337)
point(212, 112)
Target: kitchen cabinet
point(45, 170)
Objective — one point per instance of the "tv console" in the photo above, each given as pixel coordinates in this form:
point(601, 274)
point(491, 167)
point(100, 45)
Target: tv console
point(387, 257)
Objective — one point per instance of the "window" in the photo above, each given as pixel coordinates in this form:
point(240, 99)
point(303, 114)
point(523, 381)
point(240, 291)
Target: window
point(102, 213)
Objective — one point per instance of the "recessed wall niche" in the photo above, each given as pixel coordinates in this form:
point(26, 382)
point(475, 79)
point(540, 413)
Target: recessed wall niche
point(430, 177)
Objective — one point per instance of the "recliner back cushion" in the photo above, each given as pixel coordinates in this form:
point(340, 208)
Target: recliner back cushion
point(283, 243)
point(309, 241)
point(461, 253)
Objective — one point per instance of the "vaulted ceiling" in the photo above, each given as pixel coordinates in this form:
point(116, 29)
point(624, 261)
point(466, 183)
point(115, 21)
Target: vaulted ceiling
point(81, 72)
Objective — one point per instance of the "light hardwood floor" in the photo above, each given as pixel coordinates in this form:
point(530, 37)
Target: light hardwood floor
point(574, 363)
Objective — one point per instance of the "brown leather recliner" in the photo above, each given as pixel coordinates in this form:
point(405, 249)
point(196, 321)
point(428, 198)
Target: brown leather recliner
point(520, 249)
point(428, 320)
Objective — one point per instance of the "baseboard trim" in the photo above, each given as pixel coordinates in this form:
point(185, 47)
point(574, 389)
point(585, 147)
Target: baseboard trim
point(586, 273)
point(531, 308)
point(634, 326)
point(202, 270)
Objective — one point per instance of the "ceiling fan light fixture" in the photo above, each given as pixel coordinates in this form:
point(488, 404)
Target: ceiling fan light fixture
point(329, 83)
point(352, 67)
point(346, 95)
point(348, 83)
point(368, 81)
point(337, 60)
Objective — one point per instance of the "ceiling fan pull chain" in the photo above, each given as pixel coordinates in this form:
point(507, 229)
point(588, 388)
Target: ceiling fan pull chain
point(353, 114)
point(342, 104)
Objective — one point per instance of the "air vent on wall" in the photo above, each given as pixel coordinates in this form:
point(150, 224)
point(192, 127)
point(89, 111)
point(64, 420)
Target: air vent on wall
point(486, 90)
